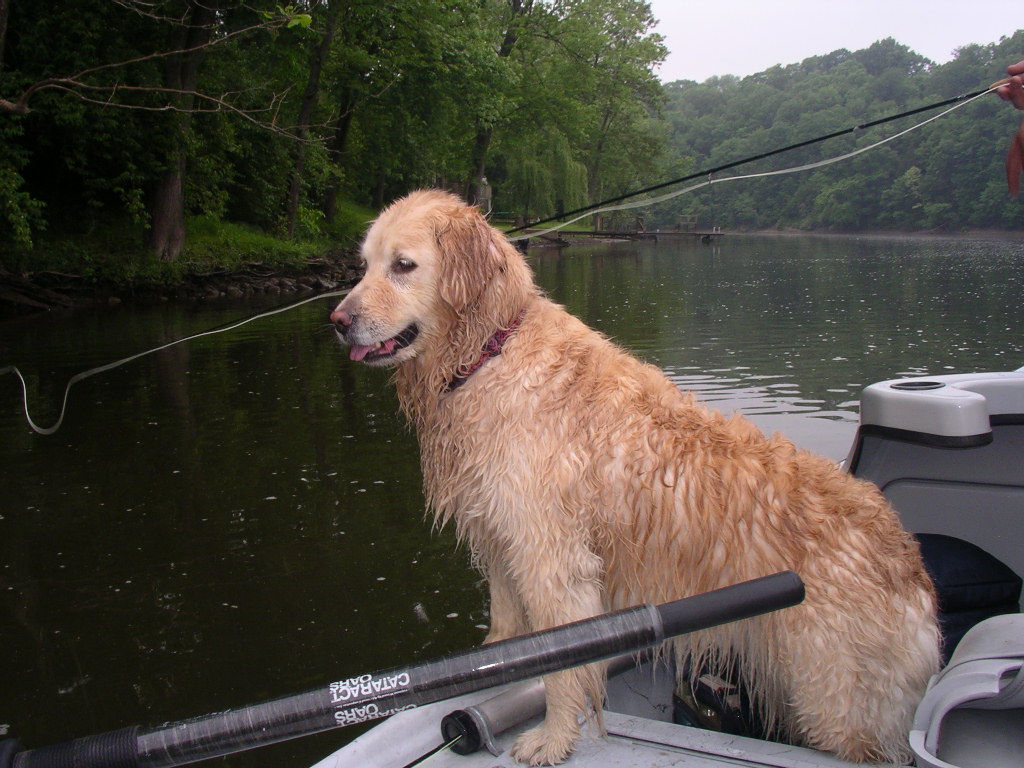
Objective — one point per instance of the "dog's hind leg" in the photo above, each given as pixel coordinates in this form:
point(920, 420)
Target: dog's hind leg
point(854, 693)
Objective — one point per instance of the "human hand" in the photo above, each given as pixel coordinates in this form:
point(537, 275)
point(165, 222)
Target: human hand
point(1011, 89)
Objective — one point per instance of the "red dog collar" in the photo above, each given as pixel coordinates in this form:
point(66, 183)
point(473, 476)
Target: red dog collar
point(491, 349)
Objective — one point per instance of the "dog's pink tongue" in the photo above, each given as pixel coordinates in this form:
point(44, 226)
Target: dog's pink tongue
point(358, 351)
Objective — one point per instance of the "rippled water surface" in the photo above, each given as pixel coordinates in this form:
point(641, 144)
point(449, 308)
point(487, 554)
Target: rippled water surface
point(240, 517)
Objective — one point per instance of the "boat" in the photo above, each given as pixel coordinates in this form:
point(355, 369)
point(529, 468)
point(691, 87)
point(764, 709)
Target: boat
point(948, 452)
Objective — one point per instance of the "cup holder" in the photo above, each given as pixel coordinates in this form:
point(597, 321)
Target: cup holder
point(917, 385)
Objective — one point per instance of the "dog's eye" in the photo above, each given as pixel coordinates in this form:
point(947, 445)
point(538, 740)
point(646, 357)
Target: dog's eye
point(403, 266)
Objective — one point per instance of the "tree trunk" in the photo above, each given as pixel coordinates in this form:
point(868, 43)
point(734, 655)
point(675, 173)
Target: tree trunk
point(594, 165)
point(309, 99)
point(378, 190)
point(4, 7)
point(518, 10)
point(167, 213)
point(335, 149)
point(481, 145)
point(181, 72)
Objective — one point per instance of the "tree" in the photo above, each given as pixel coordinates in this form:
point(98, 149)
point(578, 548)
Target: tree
point(190, 40)
point(902, 202)
point(5, 7)
point(400, 83)
point(624, 93)
point(180, 79)
point(137, 57)
point(514, 14)
point(143, 116)
point(310, 96)
point(584, 98)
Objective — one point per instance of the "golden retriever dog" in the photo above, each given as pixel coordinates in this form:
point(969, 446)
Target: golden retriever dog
point(584, 480)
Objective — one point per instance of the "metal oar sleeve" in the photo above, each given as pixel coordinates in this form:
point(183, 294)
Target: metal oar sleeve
point(479, 724)
point(377, 695)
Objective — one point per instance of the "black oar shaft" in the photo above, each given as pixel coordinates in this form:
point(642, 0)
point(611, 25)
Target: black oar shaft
point(372, 696)
point(739, 601)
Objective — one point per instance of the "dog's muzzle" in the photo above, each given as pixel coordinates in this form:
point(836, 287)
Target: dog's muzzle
point(377, 352)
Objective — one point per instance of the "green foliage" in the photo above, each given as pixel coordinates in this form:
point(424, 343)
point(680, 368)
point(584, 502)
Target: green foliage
point(292, 17)
point(303, 110)
point(112, 253)
point(215, 243)
point(580, 104)
point(350, 223)
point(947, 175)
point(20, 213)
point(543, 175)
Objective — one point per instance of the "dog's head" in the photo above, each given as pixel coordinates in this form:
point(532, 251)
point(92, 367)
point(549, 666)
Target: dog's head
point(428, 259)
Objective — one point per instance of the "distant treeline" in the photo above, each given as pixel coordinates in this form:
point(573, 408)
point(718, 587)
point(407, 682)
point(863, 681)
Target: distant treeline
point(149, 120)
point(948, 175)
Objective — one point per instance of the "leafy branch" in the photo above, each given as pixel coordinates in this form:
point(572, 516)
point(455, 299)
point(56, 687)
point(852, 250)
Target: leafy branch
point(110, 95)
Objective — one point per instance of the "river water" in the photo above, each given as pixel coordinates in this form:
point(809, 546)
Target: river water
point(240, 517)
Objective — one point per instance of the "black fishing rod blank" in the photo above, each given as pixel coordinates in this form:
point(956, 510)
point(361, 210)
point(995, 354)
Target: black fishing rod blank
point(373, 696)
point(708, 172)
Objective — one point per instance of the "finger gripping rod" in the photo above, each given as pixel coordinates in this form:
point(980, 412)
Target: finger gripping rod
point(372, 696)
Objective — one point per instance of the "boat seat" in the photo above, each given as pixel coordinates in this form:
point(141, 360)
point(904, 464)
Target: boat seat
point(972, 585)
point(972, 715)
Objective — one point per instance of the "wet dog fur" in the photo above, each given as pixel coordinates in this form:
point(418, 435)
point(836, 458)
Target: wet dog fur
point(584, 480)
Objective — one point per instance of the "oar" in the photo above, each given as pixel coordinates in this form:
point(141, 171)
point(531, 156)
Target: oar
point(372, 696)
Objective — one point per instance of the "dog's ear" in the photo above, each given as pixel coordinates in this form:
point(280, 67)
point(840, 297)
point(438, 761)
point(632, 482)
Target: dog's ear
point(470, 257)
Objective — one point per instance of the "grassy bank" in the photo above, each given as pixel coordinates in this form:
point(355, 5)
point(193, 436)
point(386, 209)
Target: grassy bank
point(116, 254)
point(111, 260)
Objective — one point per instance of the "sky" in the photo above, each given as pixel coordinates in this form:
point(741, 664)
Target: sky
point(741, 37)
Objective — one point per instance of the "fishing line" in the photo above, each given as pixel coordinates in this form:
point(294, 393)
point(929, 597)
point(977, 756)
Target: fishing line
point(427, 755)
point(707, 174)
point(110, 366)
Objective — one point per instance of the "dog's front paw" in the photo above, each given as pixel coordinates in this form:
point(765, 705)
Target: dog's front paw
point(545, 745)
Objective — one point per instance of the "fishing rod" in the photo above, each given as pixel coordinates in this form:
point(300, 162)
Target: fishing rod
point(736, 163)
point(374, 696)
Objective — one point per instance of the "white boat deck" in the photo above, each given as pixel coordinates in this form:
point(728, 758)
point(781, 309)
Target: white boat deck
point(632, 742)
point(638, 738)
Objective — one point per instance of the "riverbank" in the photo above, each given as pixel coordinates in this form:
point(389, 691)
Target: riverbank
point(104, 264)
point(59, 289)
point(50, 290)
